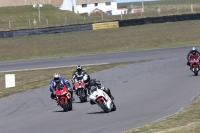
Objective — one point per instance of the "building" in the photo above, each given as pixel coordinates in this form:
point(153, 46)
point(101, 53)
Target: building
point(89, 6)
point(66, 5)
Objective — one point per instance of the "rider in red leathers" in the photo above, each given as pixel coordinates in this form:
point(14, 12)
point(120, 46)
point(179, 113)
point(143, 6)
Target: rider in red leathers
point(193, 52)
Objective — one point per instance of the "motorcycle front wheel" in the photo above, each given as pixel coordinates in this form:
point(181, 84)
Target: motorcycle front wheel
point(64, 105)
point(103, 106)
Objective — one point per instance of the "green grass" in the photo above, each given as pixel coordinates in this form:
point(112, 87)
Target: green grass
point(142, 37)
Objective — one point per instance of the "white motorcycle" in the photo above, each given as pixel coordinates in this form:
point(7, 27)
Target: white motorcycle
point(102, 99)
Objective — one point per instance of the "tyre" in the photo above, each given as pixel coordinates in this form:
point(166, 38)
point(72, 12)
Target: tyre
point(70, 105)
point(103, 106)
point(195, 71)
point(81, 95)
point(64, 105)
point(114, 107)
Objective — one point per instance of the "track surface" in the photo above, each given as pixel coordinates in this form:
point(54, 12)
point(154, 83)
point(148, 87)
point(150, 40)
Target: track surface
point(144, 92)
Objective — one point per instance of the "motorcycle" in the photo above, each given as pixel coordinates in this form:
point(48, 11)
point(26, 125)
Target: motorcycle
point(102, 100)
point(80, 89)
point(63, 97)
point(194, 64)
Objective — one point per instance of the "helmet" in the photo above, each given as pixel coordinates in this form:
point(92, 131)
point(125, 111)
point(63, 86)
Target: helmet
point(79, 68)
point(56, 77)
point(193, 50)
point(92, 82)
point(86, 78)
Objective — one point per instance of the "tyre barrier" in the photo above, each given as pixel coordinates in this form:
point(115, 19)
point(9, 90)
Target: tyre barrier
point(49, 30)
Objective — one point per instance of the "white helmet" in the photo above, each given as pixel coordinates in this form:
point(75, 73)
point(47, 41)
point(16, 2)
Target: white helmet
point(193, 50)
point(85, 77)
point(56, 77)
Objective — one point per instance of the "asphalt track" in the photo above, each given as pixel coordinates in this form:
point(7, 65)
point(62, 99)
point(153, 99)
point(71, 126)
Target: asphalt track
point(144, 93)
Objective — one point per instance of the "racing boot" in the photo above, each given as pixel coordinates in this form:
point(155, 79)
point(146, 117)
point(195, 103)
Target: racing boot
point(72, 98)
point(57, 101)
point(111, 97)
point(107, 91)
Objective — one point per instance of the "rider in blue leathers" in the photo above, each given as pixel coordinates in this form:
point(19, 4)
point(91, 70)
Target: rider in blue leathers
point(59, 79)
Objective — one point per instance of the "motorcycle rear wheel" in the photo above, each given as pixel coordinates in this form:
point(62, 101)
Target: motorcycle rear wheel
point(114, 107)
point(70, 105)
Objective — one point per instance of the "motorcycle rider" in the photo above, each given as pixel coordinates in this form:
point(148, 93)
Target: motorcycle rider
point(192, 52)
point(96, 83)
point(55, 81)
point(80, 73)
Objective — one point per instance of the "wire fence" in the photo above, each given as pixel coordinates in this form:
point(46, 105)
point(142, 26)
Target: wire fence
point(149, 11)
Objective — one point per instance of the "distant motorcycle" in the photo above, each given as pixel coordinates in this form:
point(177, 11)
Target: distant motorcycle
point(63, 97)
point(102, 100)
point(80, 89)
point(194, 64)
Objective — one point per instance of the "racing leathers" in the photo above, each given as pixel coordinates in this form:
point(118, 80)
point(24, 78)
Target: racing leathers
point(63, 81)
point(94, 82)
point(80, 74)
point(192, 52)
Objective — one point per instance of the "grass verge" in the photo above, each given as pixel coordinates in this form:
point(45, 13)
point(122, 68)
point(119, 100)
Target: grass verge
point(31, 79)
point(187, 121)
point(142, 37)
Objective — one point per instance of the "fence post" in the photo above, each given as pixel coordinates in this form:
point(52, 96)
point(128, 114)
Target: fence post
point(47, 21)
point(65, 20)
point(178, 10)
point(84, 18)
point(192, 8)
point(9, 25)
point(29, 23)
point(101, 15)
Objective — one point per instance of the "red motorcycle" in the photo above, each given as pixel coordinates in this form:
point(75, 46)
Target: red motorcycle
point(80, 89)
point(194, 64)
point(63, 97)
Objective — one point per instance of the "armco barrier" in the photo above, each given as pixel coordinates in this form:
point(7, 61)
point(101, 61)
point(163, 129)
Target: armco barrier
point(105, 25)
point(161, 19)
point(50, 30)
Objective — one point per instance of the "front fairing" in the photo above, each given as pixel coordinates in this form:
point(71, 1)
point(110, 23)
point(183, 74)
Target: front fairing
point(98, 94)
point(79, 84)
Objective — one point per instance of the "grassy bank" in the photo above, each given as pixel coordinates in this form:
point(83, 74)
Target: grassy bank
point(22, 17)
point(149, 36)
point(19, 14)
point(188, 121)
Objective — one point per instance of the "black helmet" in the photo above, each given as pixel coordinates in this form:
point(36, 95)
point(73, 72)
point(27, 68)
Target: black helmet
point(92, 82)
point(79, 68)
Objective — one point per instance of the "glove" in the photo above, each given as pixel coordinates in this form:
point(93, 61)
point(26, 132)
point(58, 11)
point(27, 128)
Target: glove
point(188, 63)
point(54, 92)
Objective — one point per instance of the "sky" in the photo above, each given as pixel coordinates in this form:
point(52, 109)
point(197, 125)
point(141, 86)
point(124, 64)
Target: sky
point(123, 1)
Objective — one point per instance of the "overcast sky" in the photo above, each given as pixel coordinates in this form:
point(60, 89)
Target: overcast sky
point(123, 1)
